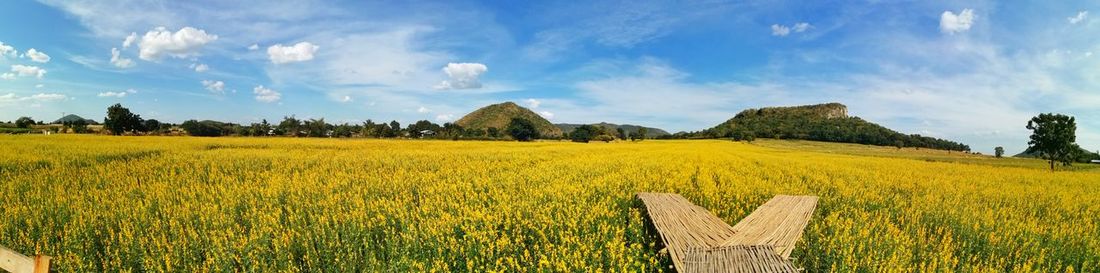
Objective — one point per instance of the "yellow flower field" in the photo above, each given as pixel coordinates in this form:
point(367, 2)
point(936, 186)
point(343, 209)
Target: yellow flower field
point(181, 204)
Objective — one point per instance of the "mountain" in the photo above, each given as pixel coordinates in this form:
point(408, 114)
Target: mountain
point(71, 118)
point(501, 114)
point(821, 122)
point(611, 127)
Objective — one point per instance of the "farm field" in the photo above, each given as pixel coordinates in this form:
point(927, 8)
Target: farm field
point(109, 204)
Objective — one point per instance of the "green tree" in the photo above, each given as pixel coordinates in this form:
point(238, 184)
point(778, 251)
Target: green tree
point(583, 133)
point(642, 132)
point(522, 130)
point(24, 122)
point(120, 120)
point(151, 125)
point(494, 132)
point(395, 129)
point(1053, 137)
point(290, 126)
point(620, 133)
point(999, 151)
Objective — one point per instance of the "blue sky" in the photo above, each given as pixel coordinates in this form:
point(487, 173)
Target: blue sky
point(970, 71)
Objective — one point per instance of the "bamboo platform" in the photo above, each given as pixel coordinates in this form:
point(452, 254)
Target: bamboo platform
point(698, 241)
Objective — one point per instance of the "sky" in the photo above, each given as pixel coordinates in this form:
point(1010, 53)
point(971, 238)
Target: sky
point(968, 71)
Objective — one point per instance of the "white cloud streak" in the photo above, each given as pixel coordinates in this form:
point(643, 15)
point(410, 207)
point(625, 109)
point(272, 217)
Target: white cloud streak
point(37, 56)
point(266, 95)
point(300, 52)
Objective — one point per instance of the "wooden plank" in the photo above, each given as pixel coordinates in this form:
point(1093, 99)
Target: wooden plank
point(697, 241)
point(779, 222)
point(17, 263)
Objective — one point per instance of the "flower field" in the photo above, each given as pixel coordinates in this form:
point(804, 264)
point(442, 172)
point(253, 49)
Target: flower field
point(108, 204)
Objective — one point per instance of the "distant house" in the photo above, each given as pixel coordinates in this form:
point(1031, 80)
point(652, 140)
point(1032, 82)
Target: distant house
point(1095, 161)
point(424, 133)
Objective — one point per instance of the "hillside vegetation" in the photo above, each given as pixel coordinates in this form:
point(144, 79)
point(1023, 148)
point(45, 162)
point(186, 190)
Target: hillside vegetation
point(500, 115)
point(821, 122)
point(611, 127)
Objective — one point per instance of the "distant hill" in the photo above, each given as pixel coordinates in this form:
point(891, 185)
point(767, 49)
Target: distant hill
point(71, 118)
point(611, 127)
point(821, 122)
point(1084, 155)
point(501, 114)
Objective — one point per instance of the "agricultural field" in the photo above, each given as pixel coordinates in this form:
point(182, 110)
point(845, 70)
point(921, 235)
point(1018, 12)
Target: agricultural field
point(111, 204)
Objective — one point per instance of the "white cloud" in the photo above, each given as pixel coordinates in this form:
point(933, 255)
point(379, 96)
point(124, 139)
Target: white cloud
point(38, 56)
point(39, 86)
point(780, 30)
point(181, 44)
point(266, 95)
point(40, 97)
point(120, 61)
point(112, 94)
point(7, 76)
point(200, 67)
point(345, 99)
point(423, 110)
point(119, 94)
point(129, 40)
point(27, 70)
point(217, 87)
point(254, 47)
point(951, 23)
point(800, 27)
point(6, 50)
point(462, 76)
point(1081, 16)
point(533, 103)
point(546, 114)
point(444, 117)
point(299, 52)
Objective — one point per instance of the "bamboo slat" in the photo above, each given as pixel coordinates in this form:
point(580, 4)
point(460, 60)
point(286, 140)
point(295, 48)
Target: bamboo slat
point(698, 241)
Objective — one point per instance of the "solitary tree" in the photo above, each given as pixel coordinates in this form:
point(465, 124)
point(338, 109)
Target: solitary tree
point(24, 122)
point(522, 130)
point(1052, 137)
point(999, 151)
point(642, 131)
point(119, 120)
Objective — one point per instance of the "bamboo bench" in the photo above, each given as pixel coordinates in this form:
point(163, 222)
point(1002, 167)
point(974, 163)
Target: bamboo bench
point(14, 262)
point(698, 241)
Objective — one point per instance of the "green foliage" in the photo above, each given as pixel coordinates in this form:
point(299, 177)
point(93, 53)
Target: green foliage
point(522, 130)
point(1053, 137)
point(823, 122)
point(206, 128)
point(584, 133)
point(120, 120)
point(500, 116)
point(24, 122)
point(999, 151)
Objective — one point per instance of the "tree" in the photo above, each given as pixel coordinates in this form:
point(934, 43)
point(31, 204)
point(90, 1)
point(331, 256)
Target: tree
point(24, 122)
point(151, 125)
point(290, 126)
point(79, 126)
point(1053, 137)
point(120, 120)
point(206, 128)
point(522, 130)
point(899, 144)
point(583, 133)
point(395, 129)
point(642, 131)
point(999, 151)
point(494, 132)
point(619, 132)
